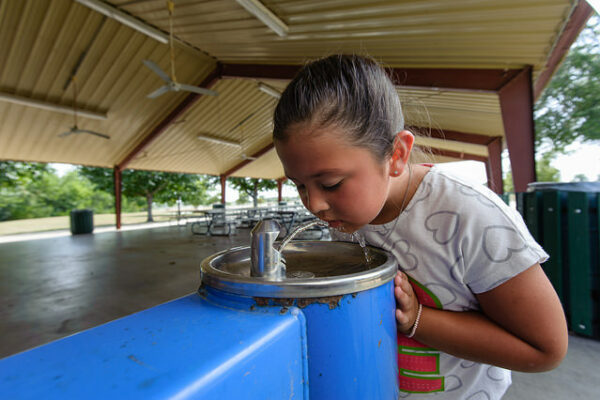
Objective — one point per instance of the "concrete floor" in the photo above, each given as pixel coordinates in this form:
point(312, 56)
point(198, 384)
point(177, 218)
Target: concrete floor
point(54, 287)
point(51, 288)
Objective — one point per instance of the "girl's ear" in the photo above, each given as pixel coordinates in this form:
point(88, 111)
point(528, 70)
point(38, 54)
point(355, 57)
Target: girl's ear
point(403, 143)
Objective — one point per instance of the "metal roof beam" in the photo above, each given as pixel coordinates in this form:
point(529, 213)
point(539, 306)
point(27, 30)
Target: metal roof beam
point(456, 154)
point(458, 79)
point(443, 78)
point(456, 136)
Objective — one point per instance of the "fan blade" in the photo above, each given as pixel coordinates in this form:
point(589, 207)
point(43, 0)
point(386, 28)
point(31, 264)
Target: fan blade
point(102, 135)
point(197, 89)
point(158, 92)
point(157, 70)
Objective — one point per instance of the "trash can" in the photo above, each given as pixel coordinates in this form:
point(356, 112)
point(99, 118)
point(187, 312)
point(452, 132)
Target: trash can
point(565, 221)
point(82, 221)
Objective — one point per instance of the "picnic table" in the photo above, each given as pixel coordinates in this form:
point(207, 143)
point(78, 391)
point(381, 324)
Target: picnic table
point(225, 221)
point(216, 222)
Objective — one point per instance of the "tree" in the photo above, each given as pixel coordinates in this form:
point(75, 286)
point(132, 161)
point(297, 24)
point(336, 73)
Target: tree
point(34, 191)
point(242, 198)
point(568, 109)
point(545, 172)
point(162, 187)
point(14, 174)
point(252, 186)
point(580, 178)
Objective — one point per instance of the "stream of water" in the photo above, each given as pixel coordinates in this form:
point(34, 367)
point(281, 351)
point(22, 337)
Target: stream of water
point(355, 236)
point(299, 229)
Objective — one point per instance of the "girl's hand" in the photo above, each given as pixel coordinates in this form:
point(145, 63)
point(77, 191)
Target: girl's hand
point(407, 303)
point(521, 325)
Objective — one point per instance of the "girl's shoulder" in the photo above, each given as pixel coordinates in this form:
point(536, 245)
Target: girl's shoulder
point(448, 185)
point(442, 190)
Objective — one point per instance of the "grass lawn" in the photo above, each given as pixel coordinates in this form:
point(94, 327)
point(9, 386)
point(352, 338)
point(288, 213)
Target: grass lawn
point(64, 222)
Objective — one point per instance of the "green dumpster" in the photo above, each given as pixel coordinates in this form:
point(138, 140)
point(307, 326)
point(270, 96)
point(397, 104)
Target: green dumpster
point(82, 221)
point(555, 232)
point(532, 208)
point(583, 262)
point(566, 224)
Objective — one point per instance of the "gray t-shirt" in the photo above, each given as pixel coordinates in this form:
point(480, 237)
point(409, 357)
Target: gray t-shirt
point(454, 239)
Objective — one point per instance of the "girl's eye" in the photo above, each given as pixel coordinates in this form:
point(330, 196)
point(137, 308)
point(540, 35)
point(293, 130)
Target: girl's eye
point(332, 187)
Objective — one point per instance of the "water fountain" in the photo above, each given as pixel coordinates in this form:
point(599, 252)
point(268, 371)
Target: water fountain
point(347, 302)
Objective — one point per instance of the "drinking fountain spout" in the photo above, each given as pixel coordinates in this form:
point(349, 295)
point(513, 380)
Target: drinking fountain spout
point(266, 260)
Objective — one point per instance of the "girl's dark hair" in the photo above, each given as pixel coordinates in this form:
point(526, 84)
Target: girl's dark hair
point(349, 91)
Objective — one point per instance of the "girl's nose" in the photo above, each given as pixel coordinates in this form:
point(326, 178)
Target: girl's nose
point(316, 202)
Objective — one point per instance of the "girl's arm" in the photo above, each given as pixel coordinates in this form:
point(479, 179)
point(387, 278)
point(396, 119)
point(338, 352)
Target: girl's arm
point(521, 327)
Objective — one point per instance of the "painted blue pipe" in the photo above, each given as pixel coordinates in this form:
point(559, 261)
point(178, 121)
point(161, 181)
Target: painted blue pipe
point(351, 340)
point(190, 348)
point(352, 347)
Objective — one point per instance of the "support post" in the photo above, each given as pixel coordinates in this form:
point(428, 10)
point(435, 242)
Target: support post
point(223, 187)
point(117, 183)
point(516, 103)
point(493, 166)
point(279, 188)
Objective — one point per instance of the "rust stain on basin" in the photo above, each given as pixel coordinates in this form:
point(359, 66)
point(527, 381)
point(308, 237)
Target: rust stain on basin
point(331, 301)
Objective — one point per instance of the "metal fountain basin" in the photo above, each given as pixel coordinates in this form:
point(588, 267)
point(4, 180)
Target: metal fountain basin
point(338, 268)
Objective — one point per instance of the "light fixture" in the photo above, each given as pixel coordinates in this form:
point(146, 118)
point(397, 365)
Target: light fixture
point(25, 101)
point(217, 140)
point(258, 9)
point(125, 19)
point(270, 90)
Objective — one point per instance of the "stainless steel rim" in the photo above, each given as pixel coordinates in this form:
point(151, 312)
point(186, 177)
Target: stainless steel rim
point(298, 287)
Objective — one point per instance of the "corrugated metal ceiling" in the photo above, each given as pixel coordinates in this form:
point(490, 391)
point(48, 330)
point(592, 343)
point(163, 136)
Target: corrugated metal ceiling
point(43, 42)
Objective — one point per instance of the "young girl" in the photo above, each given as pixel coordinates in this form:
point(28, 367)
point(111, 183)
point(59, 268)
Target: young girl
point(472, 299)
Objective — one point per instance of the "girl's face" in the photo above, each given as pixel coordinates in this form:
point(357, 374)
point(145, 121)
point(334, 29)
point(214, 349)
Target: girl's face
point(338, 182)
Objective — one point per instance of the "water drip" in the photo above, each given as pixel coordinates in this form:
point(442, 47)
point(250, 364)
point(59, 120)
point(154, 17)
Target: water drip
point(361, 241)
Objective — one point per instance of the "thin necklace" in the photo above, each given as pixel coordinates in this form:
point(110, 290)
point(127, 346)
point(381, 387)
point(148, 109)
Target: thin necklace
point(407, 189)
point(384, 242)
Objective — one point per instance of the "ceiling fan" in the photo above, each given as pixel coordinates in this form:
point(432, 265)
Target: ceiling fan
point(171, 84)
point(248, 158)
point(75, 129)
